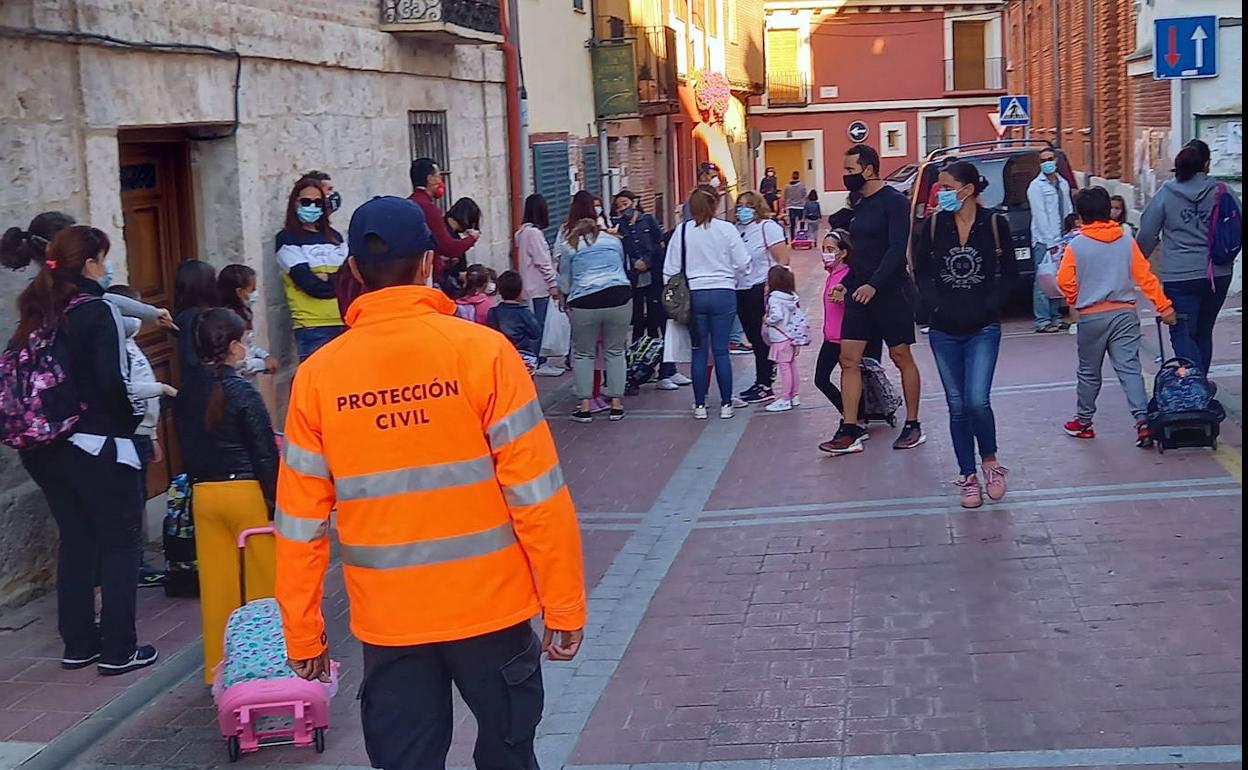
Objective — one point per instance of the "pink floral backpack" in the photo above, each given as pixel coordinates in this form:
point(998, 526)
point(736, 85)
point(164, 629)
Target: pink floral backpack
point(38, 402)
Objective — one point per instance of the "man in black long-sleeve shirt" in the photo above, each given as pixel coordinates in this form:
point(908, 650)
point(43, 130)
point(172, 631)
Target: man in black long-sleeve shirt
point(875, 296)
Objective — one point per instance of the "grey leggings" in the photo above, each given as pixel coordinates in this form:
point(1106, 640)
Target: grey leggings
point(613, 324)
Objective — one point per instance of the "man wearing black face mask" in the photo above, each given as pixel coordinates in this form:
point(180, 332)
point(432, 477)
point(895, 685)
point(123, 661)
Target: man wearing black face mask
point(875, 297)
point(333, 199)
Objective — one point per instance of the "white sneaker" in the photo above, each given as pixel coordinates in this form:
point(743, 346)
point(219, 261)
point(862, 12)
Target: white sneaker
point(680, 379)
point(548, 370)
point(925, 330)
point(668, 383)
point(796, 401)
point(725, 412)
point(780, 405)
point(699, 413)
point(1073, 330)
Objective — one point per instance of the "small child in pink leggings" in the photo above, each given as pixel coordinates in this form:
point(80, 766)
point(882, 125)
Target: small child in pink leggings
point(786, 329)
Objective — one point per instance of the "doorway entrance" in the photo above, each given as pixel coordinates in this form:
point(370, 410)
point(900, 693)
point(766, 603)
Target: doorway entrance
point(789, 155)
point(159, 233)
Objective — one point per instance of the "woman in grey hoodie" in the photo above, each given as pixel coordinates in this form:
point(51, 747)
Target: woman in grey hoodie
point(1179, 215)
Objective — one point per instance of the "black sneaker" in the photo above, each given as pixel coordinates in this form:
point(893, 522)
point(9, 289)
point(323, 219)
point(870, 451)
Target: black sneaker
point(151, 578)
point(75, 662)
point(582, 415)
point(847, 441)
point(616, 415)
point(757, 394)
point(911, 436)
point(143, 656)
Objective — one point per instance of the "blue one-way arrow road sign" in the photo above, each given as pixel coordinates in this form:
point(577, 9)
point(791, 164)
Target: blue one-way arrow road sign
point(1186, 47)
point(1014, 110)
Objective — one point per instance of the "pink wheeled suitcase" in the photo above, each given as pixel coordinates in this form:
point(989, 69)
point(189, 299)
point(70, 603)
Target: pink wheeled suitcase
point(803, 240)
point(260, 701)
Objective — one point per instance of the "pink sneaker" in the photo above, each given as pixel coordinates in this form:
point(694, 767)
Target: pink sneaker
point(994, 480)
point(972, 494)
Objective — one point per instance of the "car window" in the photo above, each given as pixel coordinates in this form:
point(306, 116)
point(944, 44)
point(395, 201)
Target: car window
point(902, 174)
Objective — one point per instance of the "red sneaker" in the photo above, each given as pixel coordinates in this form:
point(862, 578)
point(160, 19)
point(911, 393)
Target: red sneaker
point(1079, 429)
point(1143, 436)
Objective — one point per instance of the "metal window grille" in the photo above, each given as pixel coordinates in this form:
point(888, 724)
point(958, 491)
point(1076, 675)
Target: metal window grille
point(429, 140)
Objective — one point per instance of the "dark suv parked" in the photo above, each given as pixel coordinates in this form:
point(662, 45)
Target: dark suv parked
point(1009, 165)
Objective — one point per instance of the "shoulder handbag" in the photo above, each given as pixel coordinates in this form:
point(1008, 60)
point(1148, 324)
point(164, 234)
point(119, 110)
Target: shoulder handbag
point(676, 299)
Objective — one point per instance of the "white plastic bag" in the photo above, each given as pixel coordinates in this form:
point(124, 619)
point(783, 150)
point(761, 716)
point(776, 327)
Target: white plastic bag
point(677, 346)
point(557, 333)
point(1046, 273)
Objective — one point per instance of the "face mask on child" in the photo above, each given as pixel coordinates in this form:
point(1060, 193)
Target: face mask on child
point(831, 259)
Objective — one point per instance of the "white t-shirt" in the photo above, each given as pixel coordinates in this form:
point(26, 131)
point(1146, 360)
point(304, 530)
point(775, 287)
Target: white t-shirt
point(759, 236)
point(717, 255)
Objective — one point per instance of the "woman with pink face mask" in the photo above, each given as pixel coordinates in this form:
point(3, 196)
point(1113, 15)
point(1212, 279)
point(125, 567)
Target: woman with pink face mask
point(835, 250)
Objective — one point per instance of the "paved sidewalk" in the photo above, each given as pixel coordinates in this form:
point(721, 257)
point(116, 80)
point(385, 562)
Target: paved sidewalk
point(758, 606)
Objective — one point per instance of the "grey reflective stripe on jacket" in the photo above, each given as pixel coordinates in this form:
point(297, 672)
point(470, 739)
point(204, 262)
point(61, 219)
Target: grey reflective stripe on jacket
point(515, 425)
point(425, 552)
point(297, 529)
point(419, 478)
point(536, 491)
point(305, 461)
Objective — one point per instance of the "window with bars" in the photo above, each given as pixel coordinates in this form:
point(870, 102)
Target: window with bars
point(429, 140)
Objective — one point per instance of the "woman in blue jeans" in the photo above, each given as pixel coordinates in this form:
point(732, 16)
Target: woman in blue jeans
point(710, 253)
point(964, 265)
point(1177, 218)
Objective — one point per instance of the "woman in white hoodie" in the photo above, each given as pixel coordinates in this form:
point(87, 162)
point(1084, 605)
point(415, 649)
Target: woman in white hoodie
point(711, 254)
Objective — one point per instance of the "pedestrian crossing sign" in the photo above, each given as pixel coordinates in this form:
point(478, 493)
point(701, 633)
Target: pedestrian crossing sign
point(1015, 110)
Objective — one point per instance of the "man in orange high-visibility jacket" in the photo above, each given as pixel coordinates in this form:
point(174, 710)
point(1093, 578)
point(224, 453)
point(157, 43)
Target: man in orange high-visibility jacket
point(456, 528)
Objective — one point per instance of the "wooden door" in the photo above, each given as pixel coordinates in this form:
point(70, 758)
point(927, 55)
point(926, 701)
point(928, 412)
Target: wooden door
point(159, 233)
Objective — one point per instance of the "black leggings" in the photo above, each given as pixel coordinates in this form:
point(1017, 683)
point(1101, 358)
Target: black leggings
point(751, 306)
point(829, 359)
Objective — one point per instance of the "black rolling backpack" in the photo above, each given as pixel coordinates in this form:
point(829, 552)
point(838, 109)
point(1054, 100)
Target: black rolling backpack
point(1183, 411)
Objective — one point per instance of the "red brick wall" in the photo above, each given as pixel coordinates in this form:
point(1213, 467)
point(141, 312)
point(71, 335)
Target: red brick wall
point(1031, 55)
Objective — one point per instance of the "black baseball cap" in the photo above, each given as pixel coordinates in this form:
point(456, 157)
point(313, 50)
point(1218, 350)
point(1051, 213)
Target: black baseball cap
point(388, 227)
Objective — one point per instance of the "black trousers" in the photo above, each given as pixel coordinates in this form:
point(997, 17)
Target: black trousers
point(98, 507)
point(406, 700)
point(751, 307)
point(647, 313)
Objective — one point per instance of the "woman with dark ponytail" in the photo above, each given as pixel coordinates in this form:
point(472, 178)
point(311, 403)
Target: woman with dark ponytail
point(19, 248)
point(89, 473)
point(230, 454)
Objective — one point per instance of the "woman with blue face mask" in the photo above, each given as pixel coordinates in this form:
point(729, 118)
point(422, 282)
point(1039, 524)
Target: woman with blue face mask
point(764, 241)
point(310, 252)
point(964, 267)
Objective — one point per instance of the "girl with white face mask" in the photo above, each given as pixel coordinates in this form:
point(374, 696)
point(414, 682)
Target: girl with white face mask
point(763, 237)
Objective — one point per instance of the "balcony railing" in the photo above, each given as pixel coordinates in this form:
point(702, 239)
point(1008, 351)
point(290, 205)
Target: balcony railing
point(787, 89)
point(975, 76)
point(654, 62)
point(456, 21)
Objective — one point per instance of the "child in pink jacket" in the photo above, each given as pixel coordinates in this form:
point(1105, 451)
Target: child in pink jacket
point(476, 303)
point(835, 249)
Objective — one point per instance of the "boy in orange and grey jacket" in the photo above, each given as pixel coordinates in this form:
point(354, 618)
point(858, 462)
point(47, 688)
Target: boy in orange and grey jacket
point(1100, 271)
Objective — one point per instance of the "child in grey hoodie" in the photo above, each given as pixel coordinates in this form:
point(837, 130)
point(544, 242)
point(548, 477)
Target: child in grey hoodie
point(1178, 217)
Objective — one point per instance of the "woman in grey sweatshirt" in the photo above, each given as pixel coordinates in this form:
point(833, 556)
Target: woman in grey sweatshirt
point(1178, 216)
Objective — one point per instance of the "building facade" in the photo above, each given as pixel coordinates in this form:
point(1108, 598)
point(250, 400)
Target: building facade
point(179, 129)
point(562, 154)
point(906, 79)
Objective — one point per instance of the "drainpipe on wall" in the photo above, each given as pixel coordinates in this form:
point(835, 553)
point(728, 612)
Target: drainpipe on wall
point(1090, 89)
point(1057, 77)
point(508, 16)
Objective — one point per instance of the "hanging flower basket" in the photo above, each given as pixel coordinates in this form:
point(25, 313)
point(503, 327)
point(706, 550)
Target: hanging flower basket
point(713, 93)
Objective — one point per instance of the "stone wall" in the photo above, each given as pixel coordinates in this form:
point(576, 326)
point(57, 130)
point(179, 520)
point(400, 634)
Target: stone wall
point(321, 87)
